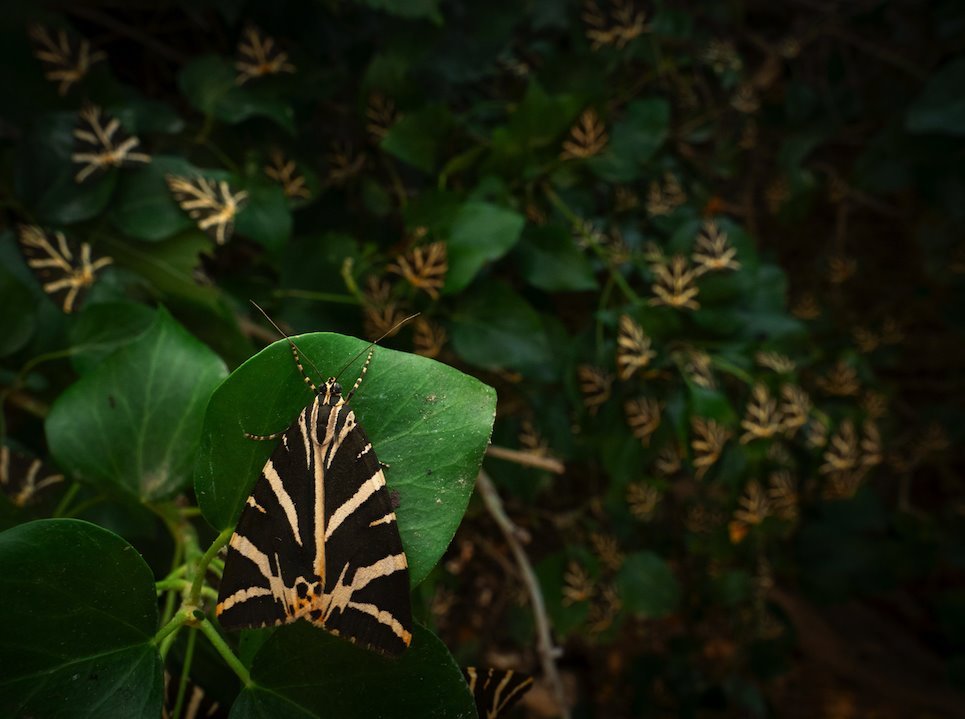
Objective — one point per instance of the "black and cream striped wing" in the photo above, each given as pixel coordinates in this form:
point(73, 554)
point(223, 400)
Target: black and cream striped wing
point(496, 691)
point(318, 539)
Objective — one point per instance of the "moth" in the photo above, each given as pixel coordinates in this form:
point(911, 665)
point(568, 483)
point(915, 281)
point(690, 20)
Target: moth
point(100, 143)
point(318, 539)
point(258, 55)
point(213, 206)
point(24, 478)
point(66, 59)
point(496, 691)
point(65, 272)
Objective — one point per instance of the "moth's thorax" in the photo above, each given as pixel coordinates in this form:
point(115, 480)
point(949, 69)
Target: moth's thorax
point(330, 392)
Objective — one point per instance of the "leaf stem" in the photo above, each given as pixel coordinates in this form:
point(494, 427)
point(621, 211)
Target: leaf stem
point(66, 500)
point(221, 540)
point(231, 659)
point(185, 673)
point(172, 626)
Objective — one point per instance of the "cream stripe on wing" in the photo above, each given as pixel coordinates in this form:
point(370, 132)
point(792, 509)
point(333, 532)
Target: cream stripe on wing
point(366, 490)
point(249, 551)
point(284, 499)
point(519, 688)
point(242, 595)
point(382, 568)
point(387, 519)
point(347, 427)
point(383, 617)
point(317, 449)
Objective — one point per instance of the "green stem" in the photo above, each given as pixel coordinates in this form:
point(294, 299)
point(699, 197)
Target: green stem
point(66, 500)
point(180, 618)
point(185, 673)
point(84, 506)
point(577, 222)
point(224, 650)
point(221, 540)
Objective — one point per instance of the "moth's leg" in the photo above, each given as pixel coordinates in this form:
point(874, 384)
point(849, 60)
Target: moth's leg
point(365, 368)
point(384, 465)
point(301, 370)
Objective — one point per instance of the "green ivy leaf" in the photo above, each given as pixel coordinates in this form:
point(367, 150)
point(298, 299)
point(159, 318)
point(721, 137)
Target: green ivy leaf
point(302, 671)
point(17, 313)
point(208, 83)
point(634, 140)
point(647, 586)
point(549, 259)
point(45, 175)
point(429, 422)
point(480, 232)
point(266, 218)
point(102, 328)
point(417, 137)
point(133, 423)
point(79, 614)
point(144, 207)
point(495, 328)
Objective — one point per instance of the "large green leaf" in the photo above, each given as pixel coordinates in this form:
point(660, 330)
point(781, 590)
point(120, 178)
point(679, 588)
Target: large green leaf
point(102, 328)
point(79, 614)
point(132, 425)
point(306, 672)
point(481, 232)
point(429, 422)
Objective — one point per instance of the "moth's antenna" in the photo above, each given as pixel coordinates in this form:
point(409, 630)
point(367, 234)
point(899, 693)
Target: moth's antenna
point(396, 326)
point(282, 333)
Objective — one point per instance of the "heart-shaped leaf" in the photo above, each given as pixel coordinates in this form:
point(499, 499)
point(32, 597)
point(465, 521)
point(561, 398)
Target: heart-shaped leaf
point(302, 671)
point(429, 422)
point(79, 614)
point(132, 425)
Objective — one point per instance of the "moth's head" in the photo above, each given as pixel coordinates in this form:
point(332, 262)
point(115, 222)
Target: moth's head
point(330, 392)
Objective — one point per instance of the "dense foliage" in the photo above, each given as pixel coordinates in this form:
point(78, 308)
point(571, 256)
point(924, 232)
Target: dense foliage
point(708, 255)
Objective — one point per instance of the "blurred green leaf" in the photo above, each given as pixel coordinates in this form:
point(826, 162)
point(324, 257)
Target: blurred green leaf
point(102, 328)
point(133, 423)
point(144, 207)
point(647, 586)
point(266, 218)
point(417, 137)
point(941, 106)
point(550, 259)
point(45, 174)
point(79, 613)
point(495, 328)
point(634, 140)
point(480, 232)
point(302, 671)
point(17, 313)
point(428, 9)
point(429, 422)
point(208, 83)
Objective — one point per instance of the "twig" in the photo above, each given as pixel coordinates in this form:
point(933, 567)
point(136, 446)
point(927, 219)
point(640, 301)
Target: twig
point(168, 53)
point(548, 652)
point(527, 459)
